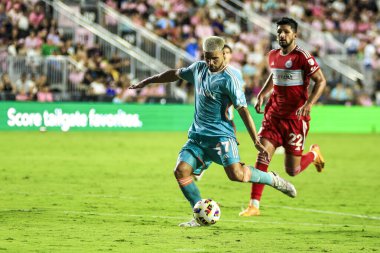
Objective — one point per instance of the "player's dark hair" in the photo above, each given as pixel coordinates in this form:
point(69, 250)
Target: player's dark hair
point(227, 46)
point(288, 21)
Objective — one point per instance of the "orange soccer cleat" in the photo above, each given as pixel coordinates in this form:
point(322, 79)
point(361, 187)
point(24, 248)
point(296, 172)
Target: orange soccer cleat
point(319, 162)
point(250, 211)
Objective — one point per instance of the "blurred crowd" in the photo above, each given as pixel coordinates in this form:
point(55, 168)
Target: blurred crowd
point(28, 30)
point(29, 34)
point(356, 24)
point(353, 23)
point(23, 31)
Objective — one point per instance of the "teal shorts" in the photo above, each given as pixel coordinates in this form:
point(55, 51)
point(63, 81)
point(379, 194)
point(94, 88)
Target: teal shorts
point(201, 153)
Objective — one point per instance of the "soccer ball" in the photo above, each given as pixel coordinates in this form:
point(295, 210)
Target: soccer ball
point(206, 212)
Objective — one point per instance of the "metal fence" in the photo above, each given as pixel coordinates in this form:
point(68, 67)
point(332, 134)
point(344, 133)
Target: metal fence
point(57, 69)
point(141, 37)
point(54, 67)
point(84, 32)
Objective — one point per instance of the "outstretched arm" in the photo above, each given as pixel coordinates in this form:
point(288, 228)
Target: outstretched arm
point(320, 84)
point(250, 125)
point(164, 77)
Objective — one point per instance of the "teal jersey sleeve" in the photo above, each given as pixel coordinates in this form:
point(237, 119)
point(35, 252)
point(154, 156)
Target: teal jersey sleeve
point(239, 74)
point(234, 89)
point(189, 73)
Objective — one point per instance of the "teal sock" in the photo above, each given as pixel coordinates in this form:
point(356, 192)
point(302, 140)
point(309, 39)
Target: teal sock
point(260, 177)
point(191, 193)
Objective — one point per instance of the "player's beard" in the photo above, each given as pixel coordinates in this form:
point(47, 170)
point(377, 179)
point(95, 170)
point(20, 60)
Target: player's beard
point(219, 68)
point(284, 44)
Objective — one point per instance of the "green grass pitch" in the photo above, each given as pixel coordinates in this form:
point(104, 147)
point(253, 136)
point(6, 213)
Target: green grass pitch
point(115, 192)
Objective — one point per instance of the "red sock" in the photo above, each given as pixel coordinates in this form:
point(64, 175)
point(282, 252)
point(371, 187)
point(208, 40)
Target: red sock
point(257, 189)
point(306, 160)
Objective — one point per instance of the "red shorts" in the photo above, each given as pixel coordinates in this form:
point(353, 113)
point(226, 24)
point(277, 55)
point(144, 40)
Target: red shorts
point(289, 133)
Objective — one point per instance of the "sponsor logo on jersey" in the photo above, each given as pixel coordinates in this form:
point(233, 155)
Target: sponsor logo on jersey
point(288, 64)
point(206, 93)
point(285, 77)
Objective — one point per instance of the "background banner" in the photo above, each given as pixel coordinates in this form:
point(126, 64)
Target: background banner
point(24, 116)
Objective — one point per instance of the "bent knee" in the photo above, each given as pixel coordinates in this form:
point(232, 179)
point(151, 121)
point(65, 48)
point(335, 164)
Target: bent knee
point(293, 171)
point(182, 169)
point(231, 174)
point(236, 174)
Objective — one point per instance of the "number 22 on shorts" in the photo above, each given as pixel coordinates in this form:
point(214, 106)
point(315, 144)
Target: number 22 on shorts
point(295, 140)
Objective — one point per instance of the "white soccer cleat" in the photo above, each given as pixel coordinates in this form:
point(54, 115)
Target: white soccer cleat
point(191, 223)
point(282, 185)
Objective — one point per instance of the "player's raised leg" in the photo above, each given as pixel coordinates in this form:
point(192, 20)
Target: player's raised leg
point(295, 160)
point(243, 173)
point(296, 164)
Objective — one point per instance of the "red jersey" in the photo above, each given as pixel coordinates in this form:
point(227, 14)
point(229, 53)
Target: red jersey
point(291, 76)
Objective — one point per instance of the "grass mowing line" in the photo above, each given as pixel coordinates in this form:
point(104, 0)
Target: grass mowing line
point(190, 250)
point(362, 216)
point(100, 196)
point(231, 221)
point(327, 212)
point(182, 218)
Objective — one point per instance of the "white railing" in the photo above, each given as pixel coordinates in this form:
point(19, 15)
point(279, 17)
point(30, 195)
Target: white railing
point(57, 69)
point(142, 38)
point(141, 63)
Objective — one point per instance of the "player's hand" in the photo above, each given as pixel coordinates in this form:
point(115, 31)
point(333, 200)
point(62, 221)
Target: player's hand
point(258, 104)
point(138, 85)
point(304, 110)
point(262, 149)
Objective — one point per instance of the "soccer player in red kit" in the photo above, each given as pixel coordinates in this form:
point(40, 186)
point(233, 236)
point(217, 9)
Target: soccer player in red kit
point(287, 113)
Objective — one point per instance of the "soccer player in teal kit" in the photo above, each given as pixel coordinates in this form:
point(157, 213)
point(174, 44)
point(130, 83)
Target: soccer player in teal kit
point(211, 137)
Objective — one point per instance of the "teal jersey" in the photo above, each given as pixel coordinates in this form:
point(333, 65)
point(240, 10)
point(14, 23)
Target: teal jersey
point(239, 75)
point(214, 94)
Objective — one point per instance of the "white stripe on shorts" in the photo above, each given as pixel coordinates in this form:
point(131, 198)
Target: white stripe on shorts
point(304, 130)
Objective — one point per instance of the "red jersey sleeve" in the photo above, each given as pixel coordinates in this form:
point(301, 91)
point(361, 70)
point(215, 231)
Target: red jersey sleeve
point(310, 65)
